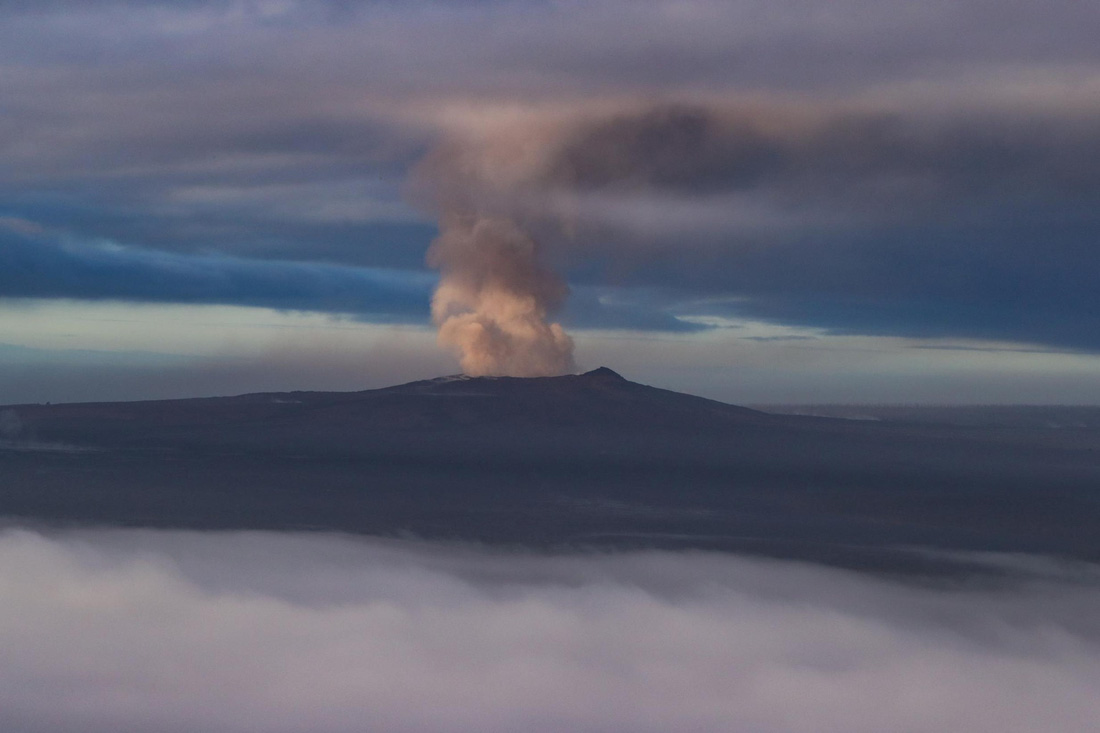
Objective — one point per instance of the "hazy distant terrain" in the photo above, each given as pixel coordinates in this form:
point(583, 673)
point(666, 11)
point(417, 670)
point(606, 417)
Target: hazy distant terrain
point(587, 460)
point(1052, 417)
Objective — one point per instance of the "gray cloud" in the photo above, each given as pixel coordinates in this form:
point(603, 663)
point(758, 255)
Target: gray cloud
point(637, 44)
point(898, 159)
point(35, 263)
point(132, 630)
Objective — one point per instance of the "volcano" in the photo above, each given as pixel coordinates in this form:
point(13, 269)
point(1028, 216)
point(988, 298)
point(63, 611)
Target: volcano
point(588, 460)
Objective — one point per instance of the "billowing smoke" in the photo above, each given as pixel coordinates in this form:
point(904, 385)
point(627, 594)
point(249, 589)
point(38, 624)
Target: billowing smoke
point(512, 188)
point(128, 631)
point(496, 294)
point(502, 195)
point(494, 298)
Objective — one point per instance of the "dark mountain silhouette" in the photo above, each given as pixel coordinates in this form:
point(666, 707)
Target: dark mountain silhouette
point(582, 460)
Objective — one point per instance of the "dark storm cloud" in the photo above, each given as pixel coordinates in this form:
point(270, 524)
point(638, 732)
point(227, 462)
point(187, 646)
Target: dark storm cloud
point(136, 630)
point(35, 264)
point(261, 222)
point(183, 128)
point(901, 158)
point(1030, 283)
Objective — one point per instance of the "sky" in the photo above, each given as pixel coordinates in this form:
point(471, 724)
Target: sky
point(759, 202)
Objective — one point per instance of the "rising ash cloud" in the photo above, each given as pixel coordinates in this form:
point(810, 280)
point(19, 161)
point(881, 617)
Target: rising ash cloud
point(125, 630)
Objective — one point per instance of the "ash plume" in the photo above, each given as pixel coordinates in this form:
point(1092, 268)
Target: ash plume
point(494, 298)
point(506, 192)
point(762, 200)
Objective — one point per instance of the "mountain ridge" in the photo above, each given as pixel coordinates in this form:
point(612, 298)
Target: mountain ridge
point(590, 459)
point(600, 396)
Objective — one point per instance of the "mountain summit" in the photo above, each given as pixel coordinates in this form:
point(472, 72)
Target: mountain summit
point(602, 373)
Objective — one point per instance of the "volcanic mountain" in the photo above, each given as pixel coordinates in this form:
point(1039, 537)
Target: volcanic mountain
point(588, 460)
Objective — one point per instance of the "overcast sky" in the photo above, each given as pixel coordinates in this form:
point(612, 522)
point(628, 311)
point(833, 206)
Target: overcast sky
point(757, 201)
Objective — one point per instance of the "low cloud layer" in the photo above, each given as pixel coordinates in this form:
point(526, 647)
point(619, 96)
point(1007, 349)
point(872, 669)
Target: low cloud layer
point(139, 630)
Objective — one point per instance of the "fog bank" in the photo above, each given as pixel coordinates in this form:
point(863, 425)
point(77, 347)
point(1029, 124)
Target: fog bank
point(125, 630)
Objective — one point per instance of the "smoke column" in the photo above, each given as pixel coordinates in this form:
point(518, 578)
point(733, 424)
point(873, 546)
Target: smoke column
point(495, 294)
point(492, 302)
point(509, 187)
point(497, 192)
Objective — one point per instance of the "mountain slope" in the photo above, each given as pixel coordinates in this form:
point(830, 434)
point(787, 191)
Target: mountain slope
point(590, 459)
point(600, 398)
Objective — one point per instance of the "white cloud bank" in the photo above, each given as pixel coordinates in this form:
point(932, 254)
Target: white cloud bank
point(173, 631)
